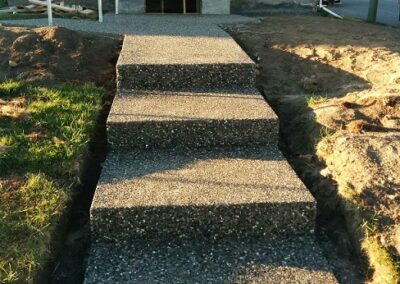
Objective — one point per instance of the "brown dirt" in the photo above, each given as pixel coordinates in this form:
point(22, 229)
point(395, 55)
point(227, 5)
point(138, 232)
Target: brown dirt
point(354, 69)
point(54, 55)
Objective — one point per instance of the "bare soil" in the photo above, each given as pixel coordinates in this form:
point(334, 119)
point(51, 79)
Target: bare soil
point(335, 86)
point(56, 55)
point(51, 57)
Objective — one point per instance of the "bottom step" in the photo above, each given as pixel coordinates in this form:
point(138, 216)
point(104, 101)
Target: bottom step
point(252, 260)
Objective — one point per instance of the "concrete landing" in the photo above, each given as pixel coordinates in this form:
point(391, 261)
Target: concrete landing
point(182, 62)
point(198, 193)
point(191, 119)
point(251, 260)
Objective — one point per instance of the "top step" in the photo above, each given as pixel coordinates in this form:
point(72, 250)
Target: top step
point(176, 62)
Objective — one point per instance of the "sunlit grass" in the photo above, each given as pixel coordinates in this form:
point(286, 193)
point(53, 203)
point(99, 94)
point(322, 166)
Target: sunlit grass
point(44, 135)
point(313, 101)
point(386, 271)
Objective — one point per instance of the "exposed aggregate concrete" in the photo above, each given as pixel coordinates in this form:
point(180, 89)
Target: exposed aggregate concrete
point(195, 189)
point(168, 119)
point(251, 260)
point(167, 194)
point(182, 62)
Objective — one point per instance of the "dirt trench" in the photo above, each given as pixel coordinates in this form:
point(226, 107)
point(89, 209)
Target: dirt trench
point(335, 86)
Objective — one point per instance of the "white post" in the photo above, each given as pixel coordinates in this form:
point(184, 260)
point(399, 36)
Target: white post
point(49, 13)
point(116, 7)
point(100, 7)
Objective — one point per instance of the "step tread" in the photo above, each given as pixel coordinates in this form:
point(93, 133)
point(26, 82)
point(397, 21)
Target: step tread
point(203, 193)
point(198, 177)
point(252, 260)
point(219, 48)
point(149, 119)
point(161, 106)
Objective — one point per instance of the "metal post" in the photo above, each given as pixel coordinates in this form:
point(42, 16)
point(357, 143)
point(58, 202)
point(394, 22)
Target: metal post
point(184, 6)
point(100, 7)
point(116, 7)
point(49, 13)
point(372, 10)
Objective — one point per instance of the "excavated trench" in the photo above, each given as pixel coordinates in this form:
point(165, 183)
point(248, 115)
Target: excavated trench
point(335, 85)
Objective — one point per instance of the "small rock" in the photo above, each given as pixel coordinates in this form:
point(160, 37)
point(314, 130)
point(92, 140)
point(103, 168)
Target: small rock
point(12, 63)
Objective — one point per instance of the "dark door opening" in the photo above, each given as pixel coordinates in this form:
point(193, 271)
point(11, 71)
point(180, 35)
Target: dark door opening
point(173, 6)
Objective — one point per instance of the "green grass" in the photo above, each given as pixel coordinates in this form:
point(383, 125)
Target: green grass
point(44, 135)
point(313, 101)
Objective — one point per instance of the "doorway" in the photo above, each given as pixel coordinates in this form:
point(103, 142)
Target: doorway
point(173, 6)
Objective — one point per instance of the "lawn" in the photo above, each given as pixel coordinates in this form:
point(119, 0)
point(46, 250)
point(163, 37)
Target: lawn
point(44, 135)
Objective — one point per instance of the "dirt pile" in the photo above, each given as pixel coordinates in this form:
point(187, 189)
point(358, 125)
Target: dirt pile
point(336, 88)
point(54, 55)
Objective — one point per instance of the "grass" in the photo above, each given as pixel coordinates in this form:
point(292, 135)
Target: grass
point(365, 225)
point(385, 270)
point(44, 135)
point(313, 101)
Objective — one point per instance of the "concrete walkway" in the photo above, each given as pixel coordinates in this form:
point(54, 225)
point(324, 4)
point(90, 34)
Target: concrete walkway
point(195, 189)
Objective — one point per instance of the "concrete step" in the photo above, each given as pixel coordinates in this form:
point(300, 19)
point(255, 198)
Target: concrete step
point(173, 194)
point(251, 260)
point(183, 62)
point(145, 119)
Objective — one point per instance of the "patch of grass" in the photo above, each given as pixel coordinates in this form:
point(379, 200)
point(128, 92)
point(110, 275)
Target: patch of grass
point(44, 135)
point(26, 218)
point(313, 101)
point(325, 132)
point(385, 271)
point(49, 127)
point(365, 225)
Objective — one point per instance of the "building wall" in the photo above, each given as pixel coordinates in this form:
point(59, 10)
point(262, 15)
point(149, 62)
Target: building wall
point(207, 6)
point(131, 6)
point(215, 7)
point(243, 6)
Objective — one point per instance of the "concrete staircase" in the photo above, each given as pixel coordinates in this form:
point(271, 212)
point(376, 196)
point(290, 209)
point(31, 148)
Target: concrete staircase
point(195, 189)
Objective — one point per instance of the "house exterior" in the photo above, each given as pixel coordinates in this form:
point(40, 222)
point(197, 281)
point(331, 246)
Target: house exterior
point(218, 7)
point(175, 6)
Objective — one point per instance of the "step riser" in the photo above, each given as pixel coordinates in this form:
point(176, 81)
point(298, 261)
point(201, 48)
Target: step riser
point(167, 223)
point(185, 77)
point(143, 135)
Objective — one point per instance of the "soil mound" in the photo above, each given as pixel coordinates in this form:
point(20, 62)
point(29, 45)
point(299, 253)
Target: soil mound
point(53, 55)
